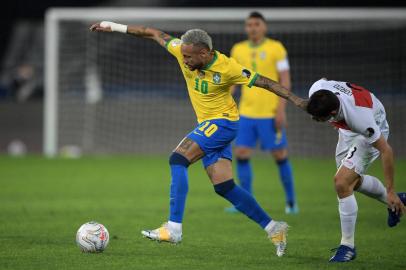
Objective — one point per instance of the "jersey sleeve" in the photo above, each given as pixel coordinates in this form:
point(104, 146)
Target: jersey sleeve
point(282, 62)
point(173, 47)
point(238, 74)
point(362, 121)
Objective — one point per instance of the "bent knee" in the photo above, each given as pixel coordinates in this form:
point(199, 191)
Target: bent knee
point(178, 159)
point(223, 188)
point(280, 154)
point(341, 186)
point(243, 152)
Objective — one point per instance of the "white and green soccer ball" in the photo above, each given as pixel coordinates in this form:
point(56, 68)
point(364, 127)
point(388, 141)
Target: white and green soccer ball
point(92, 237)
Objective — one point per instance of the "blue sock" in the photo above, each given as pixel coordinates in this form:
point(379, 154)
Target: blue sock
point(286, 176)
point(244, 172)
point(179, 186)
point(243, 201)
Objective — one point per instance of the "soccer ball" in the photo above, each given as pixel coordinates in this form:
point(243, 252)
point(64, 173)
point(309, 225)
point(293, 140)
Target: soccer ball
point(92, 237)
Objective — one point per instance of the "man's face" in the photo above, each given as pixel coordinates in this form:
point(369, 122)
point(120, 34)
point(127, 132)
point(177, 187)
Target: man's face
point(326, 118)
point(194, 57)
point(255, 28)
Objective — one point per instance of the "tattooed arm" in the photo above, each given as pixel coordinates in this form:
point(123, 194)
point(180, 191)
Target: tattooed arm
point(151, 33)
point(135, 30)
point(277, 89)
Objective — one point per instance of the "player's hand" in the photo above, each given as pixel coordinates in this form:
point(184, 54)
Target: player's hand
point(303, 104)
point(280, 119)
point(98, 28)
point(395, 204)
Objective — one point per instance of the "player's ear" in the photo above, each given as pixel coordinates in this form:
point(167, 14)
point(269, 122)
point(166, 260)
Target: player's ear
point(204, 53)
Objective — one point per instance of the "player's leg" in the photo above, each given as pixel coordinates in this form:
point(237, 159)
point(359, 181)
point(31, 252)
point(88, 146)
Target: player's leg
point(244, 168)
point(275, 141)
point(353, 156)
point(345, 180)
point(186, 153)
point(244, 144)
point(372, 187)
point(220, 174)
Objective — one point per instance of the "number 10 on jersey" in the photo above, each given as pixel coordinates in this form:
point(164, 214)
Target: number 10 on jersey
point(202, 86)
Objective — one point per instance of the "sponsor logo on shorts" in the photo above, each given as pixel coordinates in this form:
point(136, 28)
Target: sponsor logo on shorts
point(348, 163)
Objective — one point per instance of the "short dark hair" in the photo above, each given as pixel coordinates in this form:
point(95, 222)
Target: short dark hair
point(322, 103)
point(256, 14)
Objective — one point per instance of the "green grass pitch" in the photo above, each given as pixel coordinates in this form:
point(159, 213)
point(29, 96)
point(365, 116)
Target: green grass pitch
point(43, 203)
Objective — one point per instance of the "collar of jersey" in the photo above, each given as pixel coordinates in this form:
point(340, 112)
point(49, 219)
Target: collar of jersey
point(252, 45)
point(208, 65)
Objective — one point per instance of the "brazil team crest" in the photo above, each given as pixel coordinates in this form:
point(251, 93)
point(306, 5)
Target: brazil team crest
point(216, 78)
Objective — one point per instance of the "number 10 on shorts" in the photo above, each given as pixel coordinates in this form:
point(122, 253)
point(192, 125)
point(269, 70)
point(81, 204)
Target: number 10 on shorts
point(208, 128)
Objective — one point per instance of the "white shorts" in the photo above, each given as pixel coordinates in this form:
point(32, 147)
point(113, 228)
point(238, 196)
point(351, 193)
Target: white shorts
point(354, 152)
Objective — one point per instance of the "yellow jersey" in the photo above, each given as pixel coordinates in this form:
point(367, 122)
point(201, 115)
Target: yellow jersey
point(209, 88)
point(266, 58)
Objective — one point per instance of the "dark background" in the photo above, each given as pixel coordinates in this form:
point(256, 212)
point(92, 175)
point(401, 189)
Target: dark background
point(34, 10)
point(23, 119)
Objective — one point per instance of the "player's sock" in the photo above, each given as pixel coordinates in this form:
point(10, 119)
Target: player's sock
point(243, 201)
point(372, 187)
point(244, 172)
point(175, 227)
point(348, 209)
point(286, 176)
point(179, 186)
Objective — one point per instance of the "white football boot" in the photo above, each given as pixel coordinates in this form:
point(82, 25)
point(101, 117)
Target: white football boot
point(278, 235)
point(163, 234)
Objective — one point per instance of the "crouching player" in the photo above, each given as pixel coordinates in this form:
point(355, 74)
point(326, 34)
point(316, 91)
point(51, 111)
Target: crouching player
point(362, 136)
point(208, 75)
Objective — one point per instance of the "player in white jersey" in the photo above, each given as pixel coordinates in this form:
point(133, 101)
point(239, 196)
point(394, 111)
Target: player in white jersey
point(363, 131)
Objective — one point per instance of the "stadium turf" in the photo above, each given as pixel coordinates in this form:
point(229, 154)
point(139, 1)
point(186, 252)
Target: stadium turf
point(43, 202)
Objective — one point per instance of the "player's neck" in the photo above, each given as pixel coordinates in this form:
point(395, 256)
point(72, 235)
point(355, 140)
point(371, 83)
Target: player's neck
point(210, 60)
point(256, 42)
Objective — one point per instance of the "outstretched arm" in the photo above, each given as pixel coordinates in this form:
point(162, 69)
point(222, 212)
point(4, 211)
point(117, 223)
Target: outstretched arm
point(135, 30)
point(281, 91)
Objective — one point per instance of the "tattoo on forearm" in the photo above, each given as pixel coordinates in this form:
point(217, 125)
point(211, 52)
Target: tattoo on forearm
point(279, 90)
point(137, 30)
point(164, 36)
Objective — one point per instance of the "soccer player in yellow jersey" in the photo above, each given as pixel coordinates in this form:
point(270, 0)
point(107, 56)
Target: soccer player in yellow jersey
point(209, 76)
point(262, 113)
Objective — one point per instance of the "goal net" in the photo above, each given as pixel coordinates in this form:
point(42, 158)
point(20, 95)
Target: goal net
point(114, 93)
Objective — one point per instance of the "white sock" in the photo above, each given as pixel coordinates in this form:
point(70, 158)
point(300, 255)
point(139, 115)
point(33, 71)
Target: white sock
point(268, 228)
point(175, 227)
point(372, 187)
point(348, 209)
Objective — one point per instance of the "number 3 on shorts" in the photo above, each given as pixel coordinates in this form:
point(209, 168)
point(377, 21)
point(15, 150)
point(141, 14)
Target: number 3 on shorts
point(208, 129)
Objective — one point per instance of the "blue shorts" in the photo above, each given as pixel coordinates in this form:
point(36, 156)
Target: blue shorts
point(214, 138)
point(263, 129)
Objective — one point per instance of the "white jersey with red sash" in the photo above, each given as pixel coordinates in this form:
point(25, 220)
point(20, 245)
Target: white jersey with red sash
point(361, 121)
point(360, 111)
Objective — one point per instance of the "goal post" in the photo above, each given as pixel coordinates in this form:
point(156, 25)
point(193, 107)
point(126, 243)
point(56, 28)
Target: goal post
point(99, 89)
